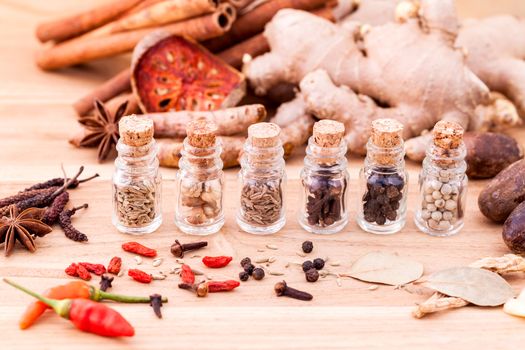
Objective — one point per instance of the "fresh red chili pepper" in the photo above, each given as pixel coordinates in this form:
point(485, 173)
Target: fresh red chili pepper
point(97, 269)
point(187, 275)
point(216, 261)
point(86, 315)
point(222, 286)
point(71, 270)
point(83, 273)
point(137, 248)
point(140, 276)
point(115, 265)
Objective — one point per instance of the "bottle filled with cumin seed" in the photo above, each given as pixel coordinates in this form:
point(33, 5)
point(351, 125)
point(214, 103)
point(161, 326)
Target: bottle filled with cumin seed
point(383, 180)
point(200, 181)
point(324, 208)
point(262, 178)
point(136, 180)
point(443, 182)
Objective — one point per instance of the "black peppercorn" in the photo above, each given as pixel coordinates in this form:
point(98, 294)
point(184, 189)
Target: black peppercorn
point(307, 246)
point(312, 275)
point(318, 263)
point(382, 200)
point(307, 265)
point(258, 274)
point(243, 276)
point(246, 261)
point(248, 268)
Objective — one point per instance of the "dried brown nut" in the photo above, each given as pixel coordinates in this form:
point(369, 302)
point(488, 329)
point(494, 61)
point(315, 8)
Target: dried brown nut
point(174, 73)
point(514, 230)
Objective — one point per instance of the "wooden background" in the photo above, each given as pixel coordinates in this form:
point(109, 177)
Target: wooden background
point(35, 121)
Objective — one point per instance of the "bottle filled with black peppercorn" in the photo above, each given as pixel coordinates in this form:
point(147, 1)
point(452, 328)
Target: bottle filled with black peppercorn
point(443, 182)
point(262, 178)
point(325, 180)
point(383, 180)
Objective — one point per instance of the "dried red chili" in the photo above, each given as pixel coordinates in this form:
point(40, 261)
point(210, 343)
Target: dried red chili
point(187, 275)
point(115, 265)
point(216, 261)
point(71, 270)
point(222, 286)
point(83, 273)
point(97, 269)
point(140, 276)
point(137, 248)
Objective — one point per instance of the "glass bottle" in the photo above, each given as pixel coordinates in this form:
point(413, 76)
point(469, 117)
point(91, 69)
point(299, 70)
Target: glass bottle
point(200, 181)
point(443, 182)
point(324, 207)
point(383, 180)
point(262, 178)
point(136, 180)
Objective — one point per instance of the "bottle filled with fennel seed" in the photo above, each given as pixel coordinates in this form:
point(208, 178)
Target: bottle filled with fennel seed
point(262, 178)
point(200, 181)
point(136, 180)
point(324, 207)
point(383, 180)
point(443, 182)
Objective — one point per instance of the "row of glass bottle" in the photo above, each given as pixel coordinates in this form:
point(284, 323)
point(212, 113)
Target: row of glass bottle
point(325, 180)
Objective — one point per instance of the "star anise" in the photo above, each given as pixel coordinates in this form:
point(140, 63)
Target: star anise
point(23, 227)
point(103, 129)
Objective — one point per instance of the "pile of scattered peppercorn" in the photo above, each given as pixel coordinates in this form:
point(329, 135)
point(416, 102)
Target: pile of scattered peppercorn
point(311, 268)
point(250, 270)
point(383, 197)
point(307, 246)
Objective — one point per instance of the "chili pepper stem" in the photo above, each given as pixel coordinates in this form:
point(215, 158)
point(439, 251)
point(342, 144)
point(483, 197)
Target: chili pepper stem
point(98, 295)
point(61, 307)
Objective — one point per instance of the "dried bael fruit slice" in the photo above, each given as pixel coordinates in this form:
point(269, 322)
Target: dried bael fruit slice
point(172, 73)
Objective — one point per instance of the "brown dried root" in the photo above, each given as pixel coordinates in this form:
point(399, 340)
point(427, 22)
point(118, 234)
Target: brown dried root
point(438, 302)
point(505, 264)
point(229, 121)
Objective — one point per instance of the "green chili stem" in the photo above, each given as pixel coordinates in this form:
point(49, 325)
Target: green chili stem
point(98, 295)
point(61, 307)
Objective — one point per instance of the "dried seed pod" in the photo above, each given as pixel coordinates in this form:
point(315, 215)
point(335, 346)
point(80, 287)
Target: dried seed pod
point(52, 213)
point(58, 182)
point(7, 201)
point(69, 230)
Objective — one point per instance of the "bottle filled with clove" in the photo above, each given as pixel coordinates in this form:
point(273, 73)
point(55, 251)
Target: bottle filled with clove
point(137, 180)
point(383, 180)
point(200, 181)
point(262, 178)
point(443, 182)
point(324, 208)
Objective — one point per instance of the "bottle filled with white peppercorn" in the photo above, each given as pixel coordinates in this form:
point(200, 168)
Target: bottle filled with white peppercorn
point(137, 180)
point(324, 208)
point(200, 181)
point(262, 178)
point(383, 180)
point(443, 182)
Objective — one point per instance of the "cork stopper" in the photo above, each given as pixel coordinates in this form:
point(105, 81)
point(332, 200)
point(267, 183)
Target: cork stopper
point(448, 135)
point(328, 133)
point(201, 133)
point(387, 133)
point(264, 135)
point(135, 131)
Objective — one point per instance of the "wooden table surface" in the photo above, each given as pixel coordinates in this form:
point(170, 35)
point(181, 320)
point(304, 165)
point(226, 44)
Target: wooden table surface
point(36, 119)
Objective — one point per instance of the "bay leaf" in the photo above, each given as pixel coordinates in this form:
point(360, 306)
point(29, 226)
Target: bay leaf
point(386, 268)
point(477, 286)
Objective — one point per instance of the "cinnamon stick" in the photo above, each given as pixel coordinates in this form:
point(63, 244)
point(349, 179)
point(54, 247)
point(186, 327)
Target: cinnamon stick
point(255, 46)
point(111, 88)
point(254, 21)
point(86, 49)
point(71, 26)
point(239, 4)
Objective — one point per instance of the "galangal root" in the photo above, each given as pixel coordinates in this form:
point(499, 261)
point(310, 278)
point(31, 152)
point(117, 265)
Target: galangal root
point(438, 302)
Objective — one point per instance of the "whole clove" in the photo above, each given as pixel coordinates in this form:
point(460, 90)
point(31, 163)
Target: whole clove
point(156, 304)
point(105, 282)
point(69, 230)
point(282, 289)
point(178, 249)
point(53, 212)
point(325, 201)
point(200, 289)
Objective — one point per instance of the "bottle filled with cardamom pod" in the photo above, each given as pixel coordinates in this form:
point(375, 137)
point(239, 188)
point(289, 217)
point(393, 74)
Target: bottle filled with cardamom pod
point(136, 180)
point(200, 181)
point(324, 207)
point(443, 182)
point(262, 179)
point(383, 180)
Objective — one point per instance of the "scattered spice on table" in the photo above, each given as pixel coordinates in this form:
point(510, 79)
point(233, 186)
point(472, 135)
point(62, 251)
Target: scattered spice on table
point(199, 289)
point(97, 269)
point(83, 273)
point(222, 286)
point(312, 275)
point(307, 246)
point(115, 265)
point(282, 289)
point(137, 248)
point(105, 282)
point(69, 230)
point(140, 276)
point(178, 249)
point(216, 261)
point(156, 304)
point(258, 274)
point(187, 275)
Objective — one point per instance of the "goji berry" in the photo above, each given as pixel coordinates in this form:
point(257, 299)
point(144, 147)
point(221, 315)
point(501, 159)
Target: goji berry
point(97, 269)
point(115, 265)
point(71, 270)
point(222, 286)
point(83, 273)
point(187, 275)
point(137, 248)
point(140, 276)
point(216, 261)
